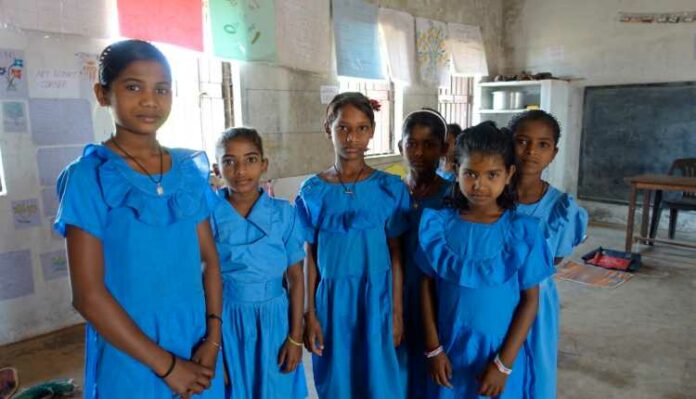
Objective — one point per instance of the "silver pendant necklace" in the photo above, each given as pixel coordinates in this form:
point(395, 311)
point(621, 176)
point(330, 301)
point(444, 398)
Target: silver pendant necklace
point(158, 183)
point(348, 190)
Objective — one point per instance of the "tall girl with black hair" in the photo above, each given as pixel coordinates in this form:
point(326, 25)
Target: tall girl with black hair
point(135, 216)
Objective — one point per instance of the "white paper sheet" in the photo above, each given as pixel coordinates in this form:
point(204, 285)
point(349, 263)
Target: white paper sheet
point(468, 52)
point(399, 35)
point(304, 35)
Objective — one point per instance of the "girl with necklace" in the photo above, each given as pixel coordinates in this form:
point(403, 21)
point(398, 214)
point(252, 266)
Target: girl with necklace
point(354, 216)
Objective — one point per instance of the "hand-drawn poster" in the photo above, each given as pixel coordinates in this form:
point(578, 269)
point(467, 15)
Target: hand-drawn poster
point(87, 18)
point(16, 274)
point(178, 22)
point(54, 265)
point(468, 53)
point(399, 35)
point(357, 39)
point(14, 117)
point(25, 213)
point(13, 81)
point(432, 52)
point(55, 122)
point(54, 83)
point(244, 30)
point(304, 35)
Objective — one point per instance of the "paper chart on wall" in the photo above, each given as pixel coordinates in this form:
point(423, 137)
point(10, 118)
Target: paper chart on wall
point(244, 29)
point(468, 52)
point(26, 213)
point(432, 52)
point(13, 80)
point(304, 34)
point(54, 265)
point(88, 18)
point(178, 22)
point(49, 199)
point(52, 160)
point(399, 35)
point(14, 117)
point(357, 39)
point(55, 122)
point(54, 83)
point(16, 274)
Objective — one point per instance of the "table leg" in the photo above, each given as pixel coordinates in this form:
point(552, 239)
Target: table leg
point(646, 214)
point(631, 218)
point(657, 210)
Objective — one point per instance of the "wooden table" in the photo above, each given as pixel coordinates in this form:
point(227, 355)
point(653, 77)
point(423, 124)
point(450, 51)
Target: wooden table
point(649, 183)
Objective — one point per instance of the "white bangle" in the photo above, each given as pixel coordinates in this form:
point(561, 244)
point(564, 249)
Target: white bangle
point(434, 352)
point(500, 366)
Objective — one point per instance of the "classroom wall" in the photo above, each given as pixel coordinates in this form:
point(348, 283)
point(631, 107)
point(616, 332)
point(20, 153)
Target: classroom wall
point(285, 105)
point(585, 41)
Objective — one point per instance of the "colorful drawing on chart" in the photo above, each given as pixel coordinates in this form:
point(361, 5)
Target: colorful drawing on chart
point(244, 29)
point(431, 51)
point(25, 213)
point(89, 66)
point(12, 75)
point(14, 117)
point(54, 265)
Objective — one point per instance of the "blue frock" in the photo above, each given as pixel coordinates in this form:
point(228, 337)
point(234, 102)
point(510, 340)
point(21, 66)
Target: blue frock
point(479, 271)
point(354, 296)
point(564, 224)
point(152, 261)
point(410, 353)
point(254, 253)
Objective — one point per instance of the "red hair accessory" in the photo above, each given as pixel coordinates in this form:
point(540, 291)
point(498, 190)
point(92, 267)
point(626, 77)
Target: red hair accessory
point(375, 104)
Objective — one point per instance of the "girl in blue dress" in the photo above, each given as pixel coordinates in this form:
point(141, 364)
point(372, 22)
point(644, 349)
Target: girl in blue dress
point(447, 170)
point(536, 135)
point(354, 217)
point(422, 145)
point(260, 242)
point(135, 216)
point(483, 263)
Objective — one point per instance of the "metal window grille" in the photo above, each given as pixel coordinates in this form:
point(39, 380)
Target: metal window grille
point(455, 101)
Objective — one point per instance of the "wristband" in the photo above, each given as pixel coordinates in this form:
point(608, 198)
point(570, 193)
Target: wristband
point(170, 369)
point(500, 366)
point(292, 341)
point(214, 317)
point(435, 352)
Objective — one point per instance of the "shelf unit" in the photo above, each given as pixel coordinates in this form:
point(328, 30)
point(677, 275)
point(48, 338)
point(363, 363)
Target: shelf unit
point(551, 95)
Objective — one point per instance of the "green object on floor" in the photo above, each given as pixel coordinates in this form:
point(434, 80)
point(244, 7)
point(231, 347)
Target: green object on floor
point(48, 390)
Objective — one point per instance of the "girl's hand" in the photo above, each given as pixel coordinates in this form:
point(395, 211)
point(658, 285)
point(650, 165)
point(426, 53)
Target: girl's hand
point(440, 370)
point(313, 338)
point(290, 356)
point(206, 355)
point(397, 328)
point(492, 381)
point(188, 378)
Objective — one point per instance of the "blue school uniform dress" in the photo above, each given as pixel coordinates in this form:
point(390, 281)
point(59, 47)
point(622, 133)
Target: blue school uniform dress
point(254, 253)
point(410, 353)
point(479, 271)
point(564, 224)
point(152, 261)
point(447, 175)
point(354, 296)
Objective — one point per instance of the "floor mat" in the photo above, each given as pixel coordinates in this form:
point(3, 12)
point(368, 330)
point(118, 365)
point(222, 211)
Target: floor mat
point(591, 275)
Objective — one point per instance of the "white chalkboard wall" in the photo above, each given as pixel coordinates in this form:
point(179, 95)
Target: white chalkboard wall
point(633, 129)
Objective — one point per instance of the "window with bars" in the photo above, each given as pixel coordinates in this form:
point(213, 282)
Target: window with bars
point(455, 101)
point(383, 143)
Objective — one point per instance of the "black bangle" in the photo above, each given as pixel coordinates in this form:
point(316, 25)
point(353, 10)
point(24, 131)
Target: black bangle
point(215, 317)
point(170, 369)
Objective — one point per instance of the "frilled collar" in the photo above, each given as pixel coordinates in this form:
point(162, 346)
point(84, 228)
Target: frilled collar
point(261, 214)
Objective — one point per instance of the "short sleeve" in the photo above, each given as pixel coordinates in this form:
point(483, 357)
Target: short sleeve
point(303, 214)
point(573, 233)
point(294, 236)
point(538, 264)
point(398, 222)
point(80, 201)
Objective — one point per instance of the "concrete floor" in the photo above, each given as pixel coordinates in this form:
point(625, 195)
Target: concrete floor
point(635, 341)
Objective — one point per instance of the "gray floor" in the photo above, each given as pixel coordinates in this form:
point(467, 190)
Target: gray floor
point(635, 341)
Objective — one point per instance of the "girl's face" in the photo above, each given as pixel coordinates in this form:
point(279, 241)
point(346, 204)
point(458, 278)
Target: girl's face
point(422, 149)
point(482, 179)
point(535, 147)
point(351, 133)
point(140, 97)
point(242, 166)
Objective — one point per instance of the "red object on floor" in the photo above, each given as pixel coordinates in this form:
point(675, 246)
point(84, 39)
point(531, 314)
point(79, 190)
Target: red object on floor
point(610, 262)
